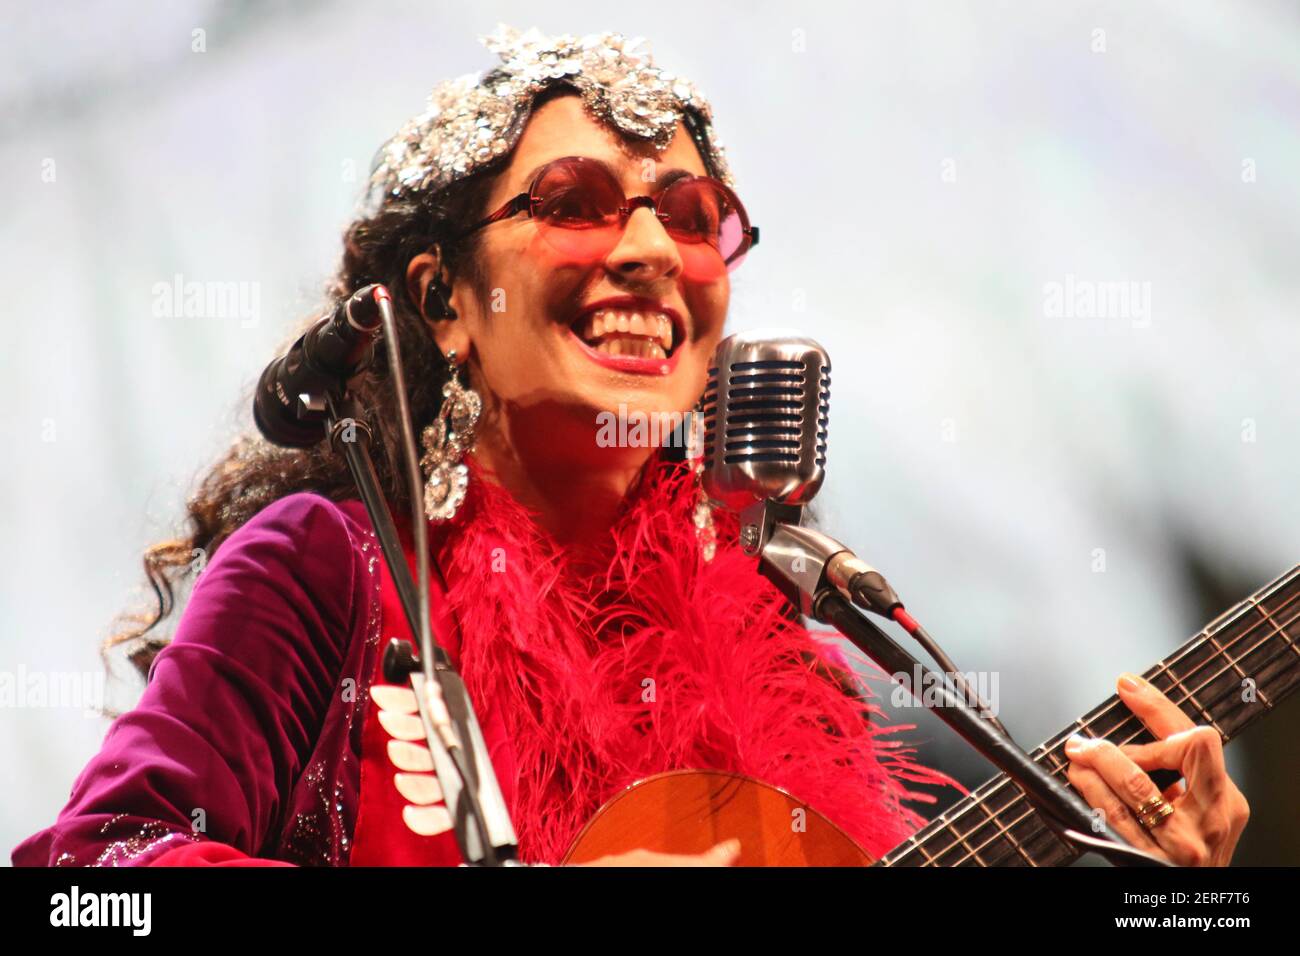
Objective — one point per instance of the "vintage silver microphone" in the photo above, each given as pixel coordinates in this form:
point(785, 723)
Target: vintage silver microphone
point(766, 421)
point(766, 411)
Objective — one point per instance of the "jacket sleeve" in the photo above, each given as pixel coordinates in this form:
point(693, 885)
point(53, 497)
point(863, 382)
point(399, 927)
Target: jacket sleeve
point(232, 707)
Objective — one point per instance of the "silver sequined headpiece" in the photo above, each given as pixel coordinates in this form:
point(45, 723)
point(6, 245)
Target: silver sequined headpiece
point(477, 118)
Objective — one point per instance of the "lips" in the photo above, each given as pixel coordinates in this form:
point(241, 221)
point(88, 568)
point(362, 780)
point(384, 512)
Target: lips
point(630, 333)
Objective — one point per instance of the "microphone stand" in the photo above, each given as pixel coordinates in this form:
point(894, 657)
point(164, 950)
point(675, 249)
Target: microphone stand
point(480, 819)
point(795, 559)
point(490, 840)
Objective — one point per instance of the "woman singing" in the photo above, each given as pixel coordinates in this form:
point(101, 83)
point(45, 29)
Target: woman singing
point(557, 235)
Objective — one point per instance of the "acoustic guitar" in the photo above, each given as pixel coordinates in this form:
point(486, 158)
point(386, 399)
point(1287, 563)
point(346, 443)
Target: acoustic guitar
point(1228, 676)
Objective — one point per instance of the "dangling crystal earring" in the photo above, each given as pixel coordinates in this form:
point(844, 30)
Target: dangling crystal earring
point(445, 443)
point(702, 517)
point(705, 533)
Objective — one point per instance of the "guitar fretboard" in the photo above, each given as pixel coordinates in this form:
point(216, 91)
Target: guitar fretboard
point(1228, 676)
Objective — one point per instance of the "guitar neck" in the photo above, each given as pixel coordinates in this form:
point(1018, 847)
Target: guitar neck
point(1228, 676)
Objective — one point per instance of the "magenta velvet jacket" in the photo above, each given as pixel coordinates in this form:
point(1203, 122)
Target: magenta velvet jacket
point(249, 731)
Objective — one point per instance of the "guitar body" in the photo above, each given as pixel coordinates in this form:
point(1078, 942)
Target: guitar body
point(689, 811)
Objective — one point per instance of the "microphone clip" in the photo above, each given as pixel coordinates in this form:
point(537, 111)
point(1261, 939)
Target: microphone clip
point(759, 520)
point(796, 559)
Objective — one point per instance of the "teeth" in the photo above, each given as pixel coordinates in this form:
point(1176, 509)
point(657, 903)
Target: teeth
point(656, 328)
point(637, 348)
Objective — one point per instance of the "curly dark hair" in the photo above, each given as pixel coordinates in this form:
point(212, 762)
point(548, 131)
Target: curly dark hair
point(253, 473)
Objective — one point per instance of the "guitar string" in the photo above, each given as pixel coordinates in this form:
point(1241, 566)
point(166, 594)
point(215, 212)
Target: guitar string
point(1179, 682)
point(1004, 830)
point(1245, 635)
point(1192, 647)
point(1084, 724)
point(932, 859)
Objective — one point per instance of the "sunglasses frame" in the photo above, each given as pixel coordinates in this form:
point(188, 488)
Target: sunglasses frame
point(528, 202)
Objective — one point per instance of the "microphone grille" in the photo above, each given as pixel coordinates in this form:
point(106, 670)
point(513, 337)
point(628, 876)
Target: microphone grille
point(766, 409)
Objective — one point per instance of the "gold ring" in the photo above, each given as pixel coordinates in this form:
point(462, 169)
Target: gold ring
point(1154, 812)
point(1150, 805)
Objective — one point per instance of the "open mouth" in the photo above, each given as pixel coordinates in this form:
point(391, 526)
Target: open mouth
point(628, 332)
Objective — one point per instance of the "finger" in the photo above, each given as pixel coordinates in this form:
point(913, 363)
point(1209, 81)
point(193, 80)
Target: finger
point(1094, 790)
point(1196, 753)
point(1181, 835)
point(1135, 753)
point(1160, 714)
point(1124, 777)
point(726, 853)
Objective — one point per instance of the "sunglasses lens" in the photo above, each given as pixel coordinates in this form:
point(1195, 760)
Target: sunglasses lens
point(706, 220)
point(577, 205)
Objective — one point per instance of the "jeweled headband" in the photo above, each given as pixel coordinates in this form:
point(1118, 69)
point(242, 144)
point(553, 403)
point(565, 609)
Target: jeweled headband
point(477, 118)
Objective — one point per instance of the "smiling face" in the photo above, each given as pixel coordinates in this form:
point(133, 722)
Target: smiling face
point(543, 386)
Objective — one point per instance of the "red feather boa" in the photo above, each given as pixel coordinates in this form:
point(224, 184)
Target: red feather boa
point(565, 643)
